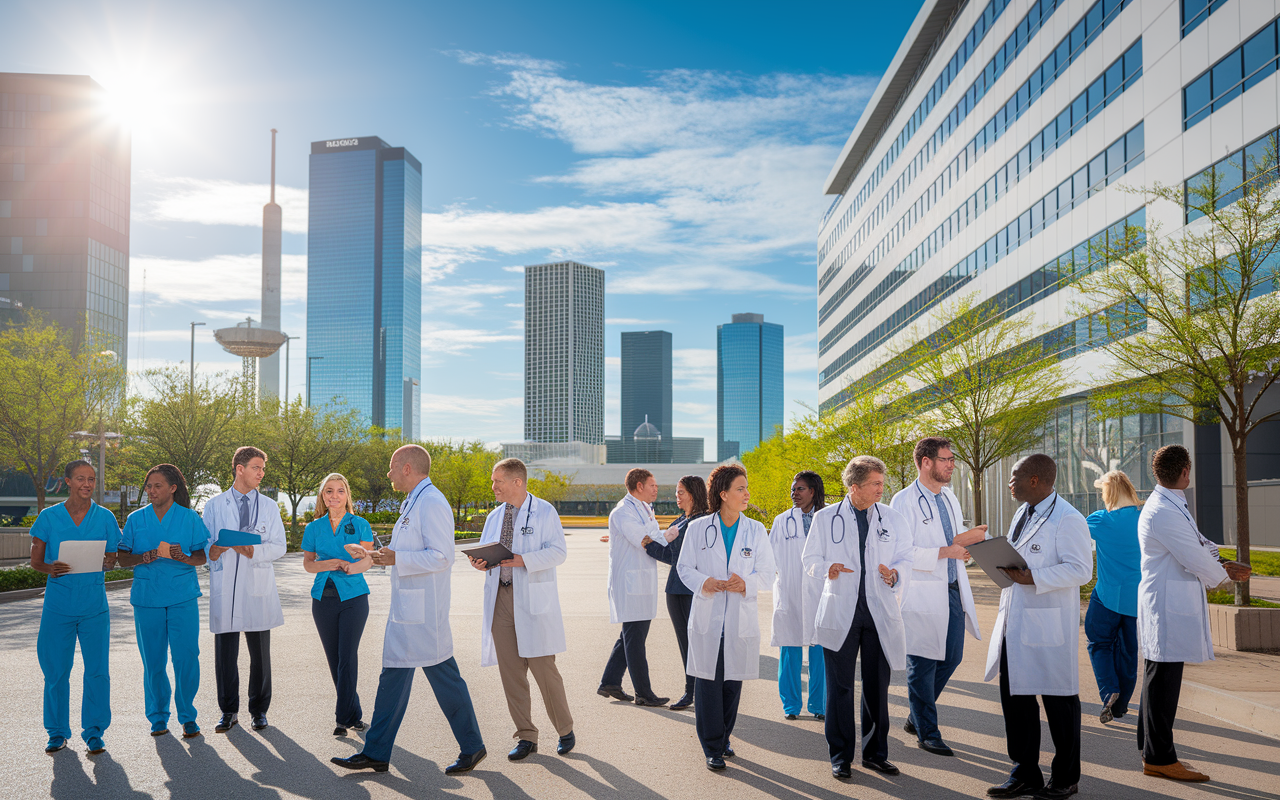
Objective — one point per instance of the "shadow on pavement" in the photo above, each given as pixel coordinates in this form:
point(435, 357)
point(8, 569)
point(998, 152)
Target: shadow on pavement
point(195, 767)
point(70, 782)
point(291, 767)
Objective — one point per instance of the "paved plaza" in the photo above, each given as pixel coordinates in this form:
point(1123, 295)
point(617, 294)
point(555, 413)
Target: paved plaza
point(623, 751)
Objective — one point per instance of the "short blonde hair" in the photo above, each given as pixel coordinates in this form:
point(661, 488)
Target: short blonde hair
point(1117, 490)
point(328, 479)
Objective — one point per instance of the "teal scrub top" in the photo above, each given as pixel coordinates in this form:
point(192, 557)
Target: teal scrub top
point(1119, 558)
point(319, 538)
point(83, 594)
point(164, 582)
point(730, 536)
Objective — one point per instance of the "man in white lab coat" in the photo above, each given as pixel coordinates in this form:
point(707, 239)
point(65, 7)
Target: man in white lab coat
point(1178, 565)
point(939, 607)
point(242, 588)
point(523, 629)
point(421, 557)
point(1035, 645)
point(633, 589)
point(861, 549)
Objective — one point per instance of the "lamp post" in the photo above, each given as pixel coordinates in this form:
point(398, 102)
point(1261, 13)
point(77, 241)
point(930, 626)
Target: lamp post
point(309, 360)
point(287, 339)
point(193, 355)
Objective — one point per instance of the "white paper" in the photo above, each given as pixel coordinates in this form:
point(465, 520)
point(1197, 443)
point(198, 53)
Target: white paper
point(83, 556)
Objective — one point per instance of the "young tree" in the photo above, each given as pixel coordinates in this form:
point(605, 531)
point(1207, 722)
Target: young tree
point(1210, 350)
point(304, 444)
point(876, 422)
point(552, 486)
point(368, 464)
point(49, 391)
point(985, 381)
point(774, 463)
point(461, 471)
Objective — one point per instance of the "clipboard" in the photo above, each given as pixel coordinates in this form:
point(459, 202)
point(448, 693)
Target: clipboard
point(991, 554)
point(233, 538)
point(491, 554)
point(84, 556)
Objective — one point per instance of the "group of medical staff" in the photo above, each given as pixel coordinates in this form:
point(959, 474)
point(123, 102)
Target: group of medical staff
point(854, 582)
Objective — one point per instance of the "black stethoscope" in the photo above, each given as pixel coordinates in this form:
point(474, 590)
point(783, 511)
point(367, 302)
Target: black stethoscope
point(1040, 522)
point(926, 508)
point(1194, 526)
point(527, 529)
point(792, 530)
point(881, 531)
point(710, 533)
point(413, 498)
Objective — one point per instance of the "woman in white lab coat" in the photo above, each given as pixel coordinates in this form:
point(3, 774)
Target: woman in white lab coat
point(726, 560)
point(795, 599)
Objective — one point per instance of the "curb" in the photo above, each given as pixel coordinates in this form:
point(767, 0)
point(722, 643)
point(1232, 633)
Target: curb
point(27, 594)
point(1230, 708)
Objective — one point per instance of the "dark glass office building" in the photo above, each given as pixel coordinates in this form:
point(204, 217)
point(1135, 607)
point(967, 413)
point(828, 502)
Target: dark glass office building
point(748, 384)
point(646, 382)
point(64, 209)
point(364, 280)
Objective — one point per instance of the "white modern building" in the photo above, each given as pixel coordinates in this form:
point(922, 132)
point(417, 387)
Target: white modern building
point(994, 150)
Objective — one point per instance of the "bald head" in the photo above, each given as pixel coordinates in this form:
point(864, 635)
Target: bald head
point(1032, 478)
point(413, 457)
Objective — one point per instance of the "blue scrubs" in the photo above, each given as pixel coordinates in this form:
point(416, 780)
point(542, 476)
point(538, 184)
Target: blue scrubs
point(166, 614)
point(75, 607)
point(340, 607)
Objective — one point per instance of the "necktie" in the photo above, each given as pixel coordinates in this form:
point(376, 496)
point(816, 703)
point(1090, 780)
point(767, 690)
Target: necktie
point(508, 533)
point(1017, 531)
point(246, 516)
point(946, 531)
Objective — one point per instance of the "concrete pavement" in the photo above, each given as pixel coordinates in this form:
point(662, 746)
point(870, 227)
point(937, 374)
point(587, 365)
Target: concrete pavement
point(623, 751)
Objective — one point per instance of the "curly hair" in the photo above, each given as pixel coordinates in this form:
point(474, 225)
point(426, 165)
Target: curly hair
point(722, 478)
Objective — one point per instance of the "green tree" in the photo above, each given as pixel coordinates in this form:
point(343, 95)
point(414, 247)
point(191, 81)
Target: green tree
point(1210, 349)
point(368, 463)
point(552, 486)
point(877, 422)
point(461, 470)
point(50, 390)
point(772, 465)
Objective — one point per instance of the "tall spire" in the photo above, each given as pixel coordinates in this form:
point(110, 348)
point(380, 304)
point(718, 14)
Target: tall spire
point(273, 165)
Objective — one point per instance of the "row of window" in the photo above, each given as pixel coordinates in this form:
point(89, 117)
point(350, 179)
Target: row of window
point(1108, 166)
point(1064, 54)
point(1235, 73)
point(1196, 11)
point(1115, 79)
point(1256, 161)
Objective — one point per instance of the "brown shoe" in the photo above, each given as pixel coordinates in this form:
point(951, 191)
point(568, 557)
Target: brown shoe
point(1177, 771)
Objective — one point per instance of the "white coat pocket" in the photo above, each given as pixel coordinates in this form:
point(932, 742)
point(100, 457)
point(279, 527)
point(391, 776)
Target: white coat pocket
point(700, 615)
point(828, 610)
point(262, 583)
point(1185, 597)
point(748, 619)
point(1042, 627)
point(410, 606)
point(641, 581)
point(542, 597)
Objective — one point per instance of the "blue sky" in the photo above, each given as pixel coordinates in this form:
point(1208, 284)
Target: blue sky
point(680, 146)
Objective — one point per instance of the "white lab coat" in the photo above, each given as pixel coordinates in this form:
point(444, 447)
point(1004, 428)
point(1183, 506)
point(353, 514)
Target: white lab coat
point(926, 610)
point(703, 556)
point(539, 625)
point(1178, 565)
point(242, 591)
point(418, 632)
point(1040, 624)
point(633, 575)
point(795, 594)
point(833, 539)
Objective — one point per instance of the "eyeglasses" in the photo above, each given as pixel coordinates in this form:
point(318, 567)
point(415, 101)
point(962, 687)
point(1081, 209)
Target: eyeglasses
point(950, 460)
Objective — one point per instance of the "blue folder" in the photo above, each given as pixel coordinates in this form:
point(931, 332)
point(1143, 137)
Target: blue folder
point(232, 538)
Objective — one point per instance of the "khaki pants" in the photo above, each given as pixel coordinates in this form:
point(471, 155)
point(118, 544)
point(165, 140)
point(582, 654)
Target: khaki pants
point(515, 675)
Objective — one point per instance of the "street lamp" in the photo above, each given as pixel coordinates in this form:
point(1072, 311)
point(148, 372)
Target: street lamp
point(193, 356)
point(309, 360)
point(287, 339)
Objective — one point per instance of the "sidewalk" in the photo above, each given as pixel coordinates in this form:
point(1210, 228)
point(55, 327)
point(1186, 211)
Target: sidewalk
point(1240, 688)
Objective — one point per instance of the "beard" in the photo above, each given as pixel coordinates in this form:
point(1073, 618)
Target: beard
point(937, 475)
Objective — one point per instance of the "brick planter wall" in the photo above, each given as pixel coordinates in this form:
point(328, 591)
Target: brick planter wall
point(1245, 628)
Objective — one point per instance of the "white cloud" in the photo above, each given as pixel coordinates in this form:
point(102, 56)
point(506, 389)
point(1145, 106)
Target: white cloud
point(224, 278)
point(694, 369)
point(634, 321)
point(216, 202)
point(466, 406)
point(439, 339)
point(800, 353)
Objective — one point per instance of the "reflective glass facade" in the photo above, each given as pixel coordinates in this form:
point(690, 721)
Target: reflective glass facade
point(748, 384)
point(564, 353)
point(646, 382)
point(364, 280)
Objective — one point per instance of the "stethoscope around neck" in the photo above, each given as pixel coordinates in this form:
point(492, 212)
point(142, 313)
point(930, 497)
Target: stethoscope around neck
point(712, 530)
point(880, 530)
point(922, 503)
point(791, 529)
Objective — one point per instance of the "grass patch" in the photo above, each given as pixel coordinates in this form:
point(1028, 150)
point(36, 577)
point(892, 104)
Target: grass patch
point(1264, 562)
point(28, 578)
point(1227, 598)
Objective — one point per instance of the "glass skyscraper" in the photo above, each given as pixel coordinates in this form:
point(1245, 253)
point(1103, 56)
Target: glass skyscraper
point(748, 384)
point(364, 280)
point(564, 353)
point(646, 382)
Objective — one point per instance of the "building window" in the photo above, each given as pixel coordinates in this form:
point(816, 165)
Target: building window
point(1196, 11)
point(1236, 73)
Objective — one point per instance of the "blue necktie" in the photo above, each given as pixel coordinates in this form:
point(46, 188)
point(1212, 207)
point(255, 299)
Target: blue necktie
point(246, 517)
point(946, 531)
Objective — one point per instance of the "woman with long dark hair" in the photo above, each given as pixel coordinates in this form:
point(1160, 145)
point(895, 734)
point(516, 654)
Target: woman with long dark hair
point(164, 542)
point(691, 497)
point(795, 599)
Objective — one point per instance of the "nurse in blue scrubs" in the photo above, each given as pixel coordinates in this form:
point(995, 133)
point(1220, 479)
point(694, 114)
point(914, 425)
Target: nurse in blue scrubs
point(75, 608)
point(164, 542)
point(334, 548)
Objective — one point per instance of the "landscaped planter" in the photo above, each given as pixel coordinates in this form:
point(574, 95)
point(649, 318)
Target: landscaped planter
point(1237, 628)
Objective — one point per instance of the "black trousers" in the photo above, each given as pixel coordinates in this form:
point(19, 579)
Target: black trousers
point(715, 709)
point(340, 624)
point(1022, 732)
point(842, 734)
point(679, 606)
point(628, 656)
point(1161, 686)
point(226, 668)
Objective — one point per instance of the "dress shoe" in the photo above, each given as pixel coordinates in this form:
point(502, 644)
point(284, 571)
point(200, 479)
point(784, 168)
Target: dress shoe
point(466, 762)
point(879, 765)
point(935, 746)
point(684, 702)
point(259, 721)
point(358, 725)
point(728, 752)
point(791, 717)
point(339, 731)
point(1052, 792)
point(566, 744)
point(55, 744)
point(715, 763)
point(1013, 788)
point(909, 728)
point(96, 746)
point(652, 700)
point(841, 770)
point(190, 730)
point(1177, 771)
point(1107, 714)
point(360, 761)
point(819, 716)
point(522, 750)
point(225, 724)
point(615, 692)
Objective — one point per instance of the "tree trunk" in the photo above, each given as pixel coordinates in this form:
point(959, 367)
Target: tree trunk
point(1239, 456)
point(39, 497)
point(979, 509)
